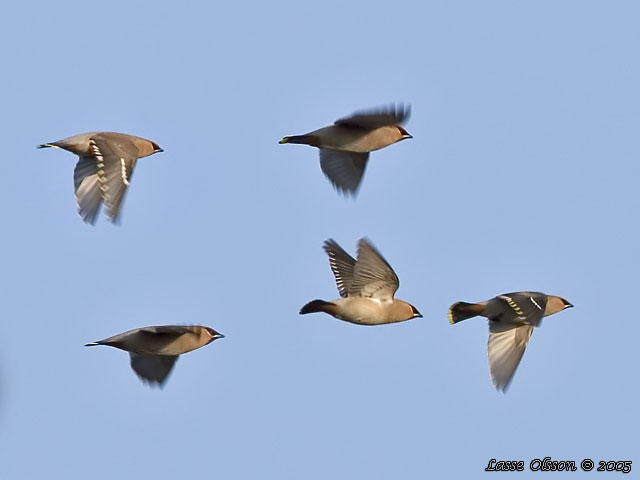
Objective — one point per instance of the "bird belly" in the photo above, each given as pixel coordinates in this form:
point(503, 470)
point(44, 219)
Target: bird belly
point(183, 344)
point(350, 139)
point(361, 311)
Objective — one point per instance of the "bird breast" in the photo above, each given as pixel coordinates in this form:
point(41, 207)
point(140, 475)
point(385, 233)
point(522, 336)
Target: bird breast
point(354, 139)
point(164, 344)
point(368, 311)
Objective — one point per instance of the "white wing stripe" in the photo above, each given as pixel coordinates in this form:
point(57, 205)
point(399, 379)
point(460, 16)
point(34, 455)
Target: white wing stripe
point(102, 178)
point(123, 172)
point(535, 303)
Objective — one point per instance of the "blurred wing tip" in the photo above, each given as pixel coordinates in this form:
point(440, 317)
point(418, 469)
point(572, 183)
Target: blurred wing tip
point(501, 387)
point(151, 383)
point(346, 192)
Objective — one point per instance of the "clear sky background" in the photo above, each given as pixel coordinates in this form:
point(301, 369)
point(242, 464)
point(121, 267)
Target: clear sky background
point(522, 175)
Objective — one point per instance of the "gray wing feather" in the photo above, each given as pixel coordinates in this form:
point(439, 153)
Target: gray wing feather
point(373, 276)
point(153, 369)
point(380, 117)
point(506, 346)
point(343, 169)
point(517, 307)
point(115, 161)
point(342, 265)
point(175, 329)
point(142, 334)
point(87, 187)
point(85, 167)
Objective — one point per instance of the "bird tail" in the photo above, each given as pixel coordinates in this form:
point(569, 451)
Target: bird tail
point(318, 306)
point(93, 344)
point(312, 140)
point(47, 145)
point(460, 311)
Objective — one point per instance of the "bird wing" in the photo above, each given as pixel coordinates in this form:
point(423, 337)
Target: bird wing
point(115, 162)
point(164, 335)
point(87, 187)
point(506, 347)
point(372, 275)
point(518, 307)
point(173, 329)
point(343, 169)
point(342, 265)
point(152, 368)
point(379, 117)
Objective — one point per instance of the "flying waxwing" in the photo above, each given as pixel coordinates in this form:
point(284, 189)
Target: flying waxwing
point(511, 320)
point(345, 145)
point(366, 287)
point(104, 169)
point(154, 350)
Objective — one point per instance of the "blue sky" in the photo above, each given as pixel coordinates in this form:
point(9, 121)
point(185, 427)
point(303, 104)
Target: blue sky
point(522, 175)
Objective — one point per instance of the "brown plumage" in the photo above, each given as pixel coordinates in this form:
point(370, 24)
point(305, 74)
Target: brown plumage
point(367, 287)
point(345, 145)
point(512, 317)
point(105, 165)
point(154, 350)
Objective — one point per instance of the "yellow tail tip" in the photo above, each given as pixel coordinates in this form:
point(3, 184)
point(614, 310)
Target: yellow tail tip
point(284, 140)
point(450, 313)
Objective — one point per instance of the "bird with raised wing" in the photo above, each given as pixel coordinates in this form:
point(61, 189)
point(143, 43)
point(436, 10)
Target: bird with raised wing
point(512, 317)
point(105, 165)
point(366, 285)
point(154, 350)
point(345, 145)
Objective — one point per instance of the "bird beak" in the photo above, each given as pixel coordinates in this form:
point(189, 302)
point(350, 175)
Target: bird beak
point(158, 150)
point(568, 305)
point(219, 335)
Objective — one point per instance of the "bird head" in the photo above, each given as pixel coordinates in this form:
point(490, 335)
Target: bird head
point(565, 303)
point(556, 304)
point(212, 334)
point(403, 133)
